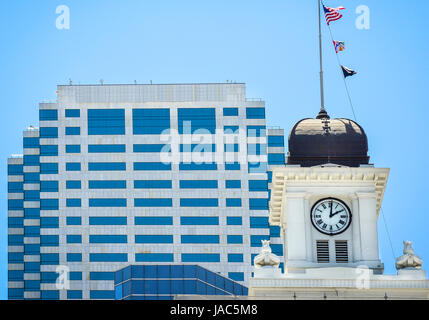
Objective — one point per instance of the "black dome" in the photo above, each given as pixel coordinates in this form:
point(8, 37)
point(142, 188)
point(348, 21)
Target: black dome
point(320, 141)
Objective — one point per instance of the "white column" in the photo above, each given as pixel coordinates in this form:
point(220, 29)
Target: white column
point(293, 216)
point(357, 249)
point(368, 226)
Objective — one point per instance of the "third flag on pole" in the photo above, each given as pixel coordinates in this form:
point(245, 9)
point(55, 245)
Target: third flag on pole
point(348, 72)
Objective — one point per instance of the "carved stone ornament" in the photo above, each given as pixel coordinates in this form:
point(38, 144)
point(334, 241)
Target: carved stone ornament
point(408, 260)
point(266, 258)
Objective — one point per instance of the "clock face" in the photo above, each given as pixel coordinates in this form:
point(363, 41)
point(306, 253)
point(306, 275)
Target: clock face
point(331, 216)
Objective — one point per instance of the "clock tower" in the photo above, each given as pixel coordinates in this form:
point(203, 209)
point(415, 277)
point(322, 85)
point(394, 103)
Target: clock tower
point(327, 198)
point(327, 201)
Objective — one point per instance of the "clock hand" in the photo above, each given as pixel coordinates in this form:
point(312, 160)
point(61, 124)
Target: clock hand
point(336, 213)
point(330, 213)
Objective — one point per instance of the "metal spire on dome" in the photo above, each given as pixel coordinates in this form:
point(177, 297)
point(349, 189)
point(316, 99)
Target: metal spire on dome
point(322, 114)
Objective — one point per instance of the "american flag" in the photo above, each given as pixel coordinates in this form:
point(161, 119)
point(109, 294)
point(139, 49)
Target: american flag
point(332, 14)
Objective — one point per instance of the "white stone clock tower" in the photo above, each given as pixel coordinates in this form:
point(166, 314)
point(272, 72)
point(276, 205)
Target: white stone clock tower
point(327, 201)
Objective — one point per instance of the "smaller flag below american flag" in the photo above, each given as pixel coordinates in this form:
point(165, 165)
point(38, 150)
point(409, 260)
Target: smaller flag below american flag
point(339, 46)
point(332, 14)
point(348, 72)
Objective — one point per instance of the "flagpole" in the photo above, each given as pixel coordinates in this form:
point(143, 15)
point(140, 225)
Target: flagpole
point(322, 113)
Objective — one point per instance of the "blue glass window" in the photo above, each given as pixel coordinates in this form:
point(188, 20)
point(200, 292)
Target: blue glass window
point(74, 294)
point(106, 121)
point(31, 142)
point(153, 221)
point(152, 184)
point(234, 221)
point(205, 221)
point(15, 187)
point(258, 204)
point(49, 150)
point(151, 121)
point(116, 238)
point(233, 202)
point(255, 113)
point(231, 129)
point(227, 112)
point(107, 166)
point(108, 257)
point(107, 184)
point(256, 131)
point(257, 167)
point(74, 238)
point(73, 184)
point(95, 275)
point(72, 131)
point(15, 222)
point(200, 148)
point(74, 221)
point(49, 204)
point(49, 222)
point(153, 238)
point(235, 257)
point(31, 195)
point(48, 115)
point(15, 204)
point(106, 148)
point(152, 166)
point(156, 148)
point(74, 203)
point(256, 149)
point(153, 202)
point(199, 202)
point(236, 276)
point(232, 166)
point(258, 185)
point(102, 294)
point(235, 147)
point(72, 113)
point(73, 166)
point(259, 222)
point(15, 169)
point(49, 240)
point(48, 132)
point(276, 141)
point(107, 202)
point(198, 184)
point(74, 257)
point(108, 221)
point(200, 238)
point(49, 168)
point(256, 240)
point(276, 158)
point(154, 257)
point(233, 184)
point(31, 160)
point(200, 257)
point(275, 231)
point(72, 148)
point(197, 166)
point(49, 258)
point(235, 239)
point(199, 118)
point(49, 186)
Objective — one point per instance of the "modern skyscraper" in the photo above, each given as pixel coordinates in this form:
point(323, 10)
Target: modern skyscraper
point(127, 174)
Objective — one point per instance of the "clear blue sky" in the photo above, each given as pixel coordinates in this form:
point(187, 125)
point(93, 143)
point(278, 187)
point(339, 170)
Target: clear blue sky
point(271, 45)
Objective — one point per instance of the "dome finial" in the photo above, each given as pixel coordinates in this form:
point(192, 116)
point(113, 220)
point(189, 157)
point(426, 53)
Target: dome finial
point(323, 114)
